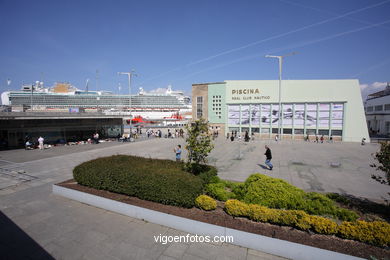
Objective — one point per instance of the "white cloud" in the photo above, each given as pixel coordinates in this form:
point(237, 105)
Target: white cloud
point(367, 89)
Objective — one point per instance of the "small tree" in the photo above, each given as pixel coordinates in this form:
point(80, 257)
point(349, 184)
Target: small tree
point(199, 145)
point(383, 158)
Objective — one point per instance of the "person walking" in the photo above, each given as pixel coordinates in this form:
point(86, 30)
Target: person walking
point(268, 156)
point(246, 136)
point(96, 137)
point(177, 151)
point(40, 141)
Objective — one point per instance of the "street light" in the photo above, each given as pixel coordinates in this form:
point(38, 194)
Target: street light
point(280, 58)
point(129, 74)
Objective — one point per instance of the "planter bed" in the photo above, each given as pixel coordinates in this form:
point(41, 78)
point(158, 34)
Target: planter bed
point(220, 218)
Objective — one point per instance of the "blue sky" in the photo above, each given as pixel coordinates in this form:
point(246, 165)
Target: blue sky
point(185, 42)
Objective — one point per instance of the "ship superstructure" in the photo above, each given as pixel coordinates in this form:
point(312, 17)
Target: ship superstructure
point(64, 96)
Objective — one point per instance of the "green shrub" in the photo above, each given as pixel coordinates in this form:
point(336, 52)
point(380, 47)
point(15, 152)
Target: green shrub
point(270, 192)
point(219, 191)
point(205, 202)
point(276, 193)
point(338, 198)
point(162, 181)
point(214, 179)
point(345, 214)
point(208, 174)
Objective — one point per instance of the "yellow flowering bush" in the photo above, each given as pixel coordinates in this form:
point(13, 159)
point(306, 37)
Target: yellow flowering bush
point(261, 213)
point(237, 208)
point(295, 218)
point(323, 225)
point(205, 202)
point(376, 232)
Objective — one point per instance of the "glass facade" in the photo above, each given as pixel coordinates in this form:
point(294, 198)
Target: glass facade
point(199, 107)
point(296, 118)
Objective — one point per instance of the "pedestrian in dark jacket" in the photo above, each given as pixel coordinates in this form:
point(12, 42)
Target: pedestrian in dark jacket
point(268, 156)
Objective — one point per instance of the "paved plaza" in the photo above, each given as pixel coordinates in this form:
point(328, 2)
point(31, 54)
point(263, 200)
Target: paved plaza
point(52, 226)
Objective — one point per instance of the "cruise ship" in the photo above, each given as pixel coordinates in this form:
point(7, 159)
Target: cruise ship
point(64, 97)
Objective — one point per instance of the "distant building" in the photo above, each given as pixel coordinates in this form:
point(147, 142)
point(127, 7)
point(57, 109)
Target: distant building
point(310, 107)
point(377, 107)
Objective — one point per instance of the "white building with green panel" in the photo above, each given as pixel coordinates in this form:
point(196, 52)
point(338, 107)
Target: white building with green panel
point(309, 107)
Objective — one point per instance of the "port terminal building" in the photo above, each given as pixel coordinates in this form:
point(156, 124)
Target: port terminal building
point(377, 108)
point(308, 108)
point(56, 128)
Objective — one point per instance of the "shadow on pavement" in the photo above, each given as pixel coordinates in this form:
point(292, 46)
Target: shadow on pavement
point(263, 166)
point(16, 244)
point(363, 205)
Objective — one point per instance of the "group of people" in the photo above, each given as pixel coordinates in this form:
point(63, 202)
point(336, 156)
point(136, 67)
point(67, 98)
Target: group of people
point(170, 134)
point(176, 134)
point(156, 133)
point(29, 145)
point(319, 139)
point(234, 135)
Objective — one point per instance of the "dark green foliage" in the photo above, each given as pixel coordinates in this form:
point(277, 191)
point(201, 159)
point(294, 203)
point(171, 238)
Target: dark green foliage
point(276, 193)
point(208, 174)
point(383, 158)
point(222, 190)
point(370, 209)
point(338, 198)
point(162, 181)
point(219, 192)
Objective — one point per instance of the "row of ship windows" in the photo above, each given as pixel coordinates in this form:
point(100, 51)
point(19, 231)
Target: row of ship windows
point(86, 101)
point(378, 108)
point(94, 99)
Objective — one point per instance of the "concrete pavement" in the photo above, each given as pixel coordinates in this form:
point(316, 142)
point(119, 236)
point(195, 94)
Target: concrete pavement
point(66, 229)
point(44, 226)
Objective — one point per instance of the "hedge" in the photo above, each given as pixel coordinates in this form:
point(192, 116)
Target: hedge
point(162, 181)
point(376, 233)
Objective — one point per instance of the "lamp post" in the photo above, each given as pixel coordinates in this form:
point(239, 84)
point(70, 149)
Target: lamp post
point(129, 75)
point(280, 59)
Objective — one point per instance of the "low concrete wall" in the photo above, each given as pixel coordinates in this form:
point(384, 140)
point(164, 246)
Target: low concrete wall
point(258, 242)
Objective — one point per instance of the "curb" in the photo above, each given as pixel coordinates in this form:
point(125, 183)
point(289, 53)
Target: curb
point(265, 244)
